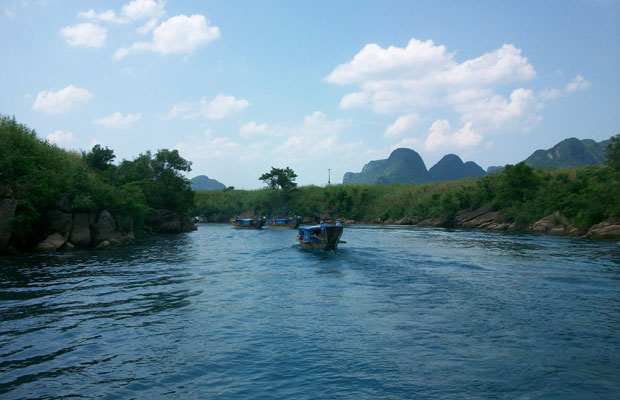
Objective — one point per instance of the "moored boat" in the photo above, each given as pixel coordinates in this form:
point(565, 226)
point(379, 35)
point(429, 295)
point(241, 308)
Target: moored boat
point(322, 237)
point(248, 223)
point(284, 223)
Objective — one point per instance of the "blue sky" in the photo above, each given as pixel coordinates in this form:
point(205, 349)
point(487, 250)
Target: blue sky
point(240, 86)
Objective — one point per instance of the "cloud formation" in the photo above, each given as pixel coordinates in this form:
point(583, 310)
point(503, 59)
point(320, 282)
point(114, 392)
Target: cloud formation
point(60, 138)
point(221, 106)
point(403, 124)
point(177, 35)
point(85, 34)
point(425, 77)
point(118, 120)
point(62, 101)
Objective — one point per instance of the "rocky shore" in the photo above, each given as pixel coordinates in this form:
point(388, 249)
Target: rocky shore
point(484, 218)
point(62, 229)
point(487, 219)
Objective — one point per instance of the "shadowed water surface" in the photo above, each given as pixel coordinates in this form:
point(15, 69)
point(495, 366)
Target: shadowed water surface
point(394, 313)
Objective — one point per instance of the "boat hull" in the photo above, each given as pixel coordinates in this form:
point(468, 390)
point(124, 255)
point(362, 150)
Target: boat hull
point(283, 223)
point(320, 237)
point(246, 223)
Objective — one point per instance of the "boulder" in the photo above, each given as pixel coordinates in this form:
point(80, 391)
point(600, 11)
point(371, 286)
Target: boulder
point(164, 221)
point(53, 242)
point(7, 211)
point(407, 221)
point(434, 222)
point(555, 224)
point(68, 246)
point(463, 217)
point(80, 232)
point(389, 221)
point(57, 221)
point(609, 229)
point(105, 245)
point(104, 227)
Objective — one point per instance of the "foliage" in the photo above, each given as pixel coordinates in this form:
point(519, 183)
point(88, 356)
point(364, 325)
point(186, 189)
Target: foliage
point(613, 152)
point(585, 195)
point(279, 178)
point(40, 175)
point(99, 158)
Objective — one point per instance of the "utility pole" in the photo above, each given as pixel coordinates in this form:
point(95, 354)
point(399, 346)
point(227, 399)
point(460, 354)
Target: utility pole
point(329, 176)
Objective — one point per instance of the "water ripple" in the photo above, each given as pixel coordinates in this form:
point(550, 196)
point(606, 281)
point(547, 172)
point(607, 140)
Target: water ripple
point(397, 312)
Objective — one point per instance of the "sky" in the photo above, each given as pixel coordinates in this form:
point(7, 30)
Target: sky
point(322, 87)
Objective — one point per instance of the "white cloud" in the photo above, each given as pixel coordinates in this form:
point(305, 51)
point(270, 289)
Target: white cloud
point(61, 101)
point(317, 135)
point(85, 34)
point(207, 146)
point(441, 137)
point(118, 120)
point(423, 75)
point(403, 124)
point(577, 84)
point(251, 128)
point(60, 138)
point(355, 100)
point(105, 16)
point(496, 111)
point(186, 110)
point(178, 35)
point(141, 9)
point(222, 106)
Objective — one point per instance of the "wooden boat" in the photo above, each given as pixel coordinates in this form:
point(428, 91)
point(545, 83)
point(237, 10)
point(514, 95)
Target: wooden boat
point(323, 237)
point(248, 223)
point(284, 223)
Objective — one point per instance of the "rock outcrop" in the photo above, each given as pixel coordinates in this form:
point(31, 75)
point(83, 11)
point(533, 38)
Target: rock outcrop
point(482, 218)
point(609, 229)
point(555, 224)
point(167, 221)
point(53, 242)
point(80, 232)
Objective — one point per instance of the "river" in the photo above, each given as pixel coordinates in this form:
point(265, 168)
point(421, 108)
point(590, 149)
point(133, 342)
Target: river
point(396, 313)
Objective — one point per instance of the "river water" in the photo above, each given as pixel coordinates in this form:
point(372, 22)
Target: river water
point(394, 313)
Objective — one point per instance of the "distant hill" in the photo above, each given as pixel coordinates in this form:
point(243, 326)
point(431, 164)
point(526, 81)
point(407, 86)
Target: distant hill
point(451, 168)
point(203, 182)
point(405, 166)
point(569, 153)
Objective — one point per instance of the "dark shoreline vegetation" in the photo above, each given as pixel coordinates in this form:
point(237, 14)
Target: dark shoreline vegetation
point(53, 199)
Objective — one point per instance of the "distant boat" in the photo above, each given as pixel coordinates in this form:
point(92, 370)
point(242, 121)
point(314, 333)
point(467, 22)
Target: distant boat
point(320, 237)
point(248, 223)
point(284, 223)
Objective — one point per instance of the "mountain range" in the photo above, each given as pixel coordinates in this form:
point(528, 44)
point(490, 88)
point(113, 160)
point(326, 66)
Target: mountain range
point(203, 182)
point(405, 166)
point(569, 153)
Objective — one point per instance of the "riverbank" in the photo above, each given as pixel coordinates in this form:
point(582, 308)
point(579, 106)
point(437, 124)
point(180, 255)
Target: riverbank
point(573, 202)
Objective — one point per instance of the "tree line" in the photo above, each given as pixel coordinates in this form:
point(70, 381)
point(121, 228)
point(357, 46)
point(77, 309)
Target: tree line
point(40, 175)
point(586, 196)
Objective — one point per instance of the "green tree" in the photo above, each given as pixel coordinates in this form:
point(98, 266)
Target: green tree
point(280, 178)
point(99, 158)
point(613, 152)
